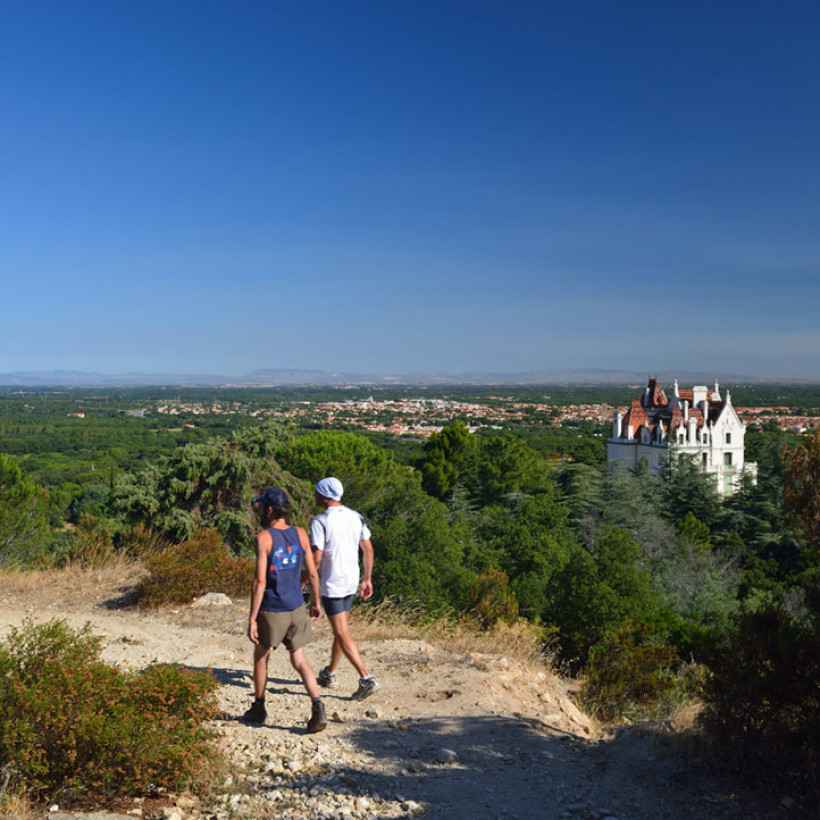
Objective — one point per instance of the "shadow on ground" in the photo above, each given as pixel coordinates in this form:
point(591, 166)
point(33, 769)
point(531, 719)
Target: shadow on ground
point(506, 767)
point(489, 766)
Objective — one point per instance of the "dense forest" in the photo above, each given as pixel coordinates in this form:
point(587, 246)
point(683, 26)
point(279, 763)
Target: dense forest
point(514, 521)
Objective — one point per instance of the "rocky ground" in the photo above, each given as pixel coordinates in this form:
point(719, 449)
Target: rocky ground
point(451, 734)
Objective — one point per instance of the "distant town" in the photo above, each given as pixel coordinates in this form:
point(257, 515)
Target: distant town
point(422, 417)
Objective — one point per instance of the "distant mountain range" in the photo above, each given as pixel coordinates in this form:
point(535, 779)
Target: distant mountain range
point(297, 378)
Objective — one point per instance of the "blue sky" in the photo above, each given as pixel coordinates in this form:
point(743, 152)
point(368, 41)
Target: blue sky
point(399, 185)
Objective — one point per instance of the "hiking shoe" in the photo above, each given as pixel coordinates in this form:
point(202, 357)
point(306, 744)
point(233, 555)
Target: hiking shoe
point(317, 721)
point(257, 713)
point(367, 686)
point(326, 678)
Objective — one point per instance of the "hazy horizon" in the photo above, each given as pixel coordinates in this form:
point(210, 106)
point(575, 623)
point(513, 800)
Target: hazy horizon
point(265, 377)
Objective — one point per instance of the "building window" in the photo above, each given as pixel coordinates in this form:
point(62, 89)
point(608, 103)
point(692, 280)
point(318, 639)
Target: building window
point(727, 458)
point(705, 438)
point(728, 438)
point(705, 459)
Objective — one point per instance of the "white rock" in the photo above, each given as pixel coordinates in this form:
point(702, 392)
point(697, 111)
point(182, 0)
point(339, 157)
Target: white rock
point(212, 599)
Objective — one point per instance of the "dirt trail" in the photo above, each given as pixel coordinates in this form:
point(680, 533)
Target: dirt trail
point(450, 735)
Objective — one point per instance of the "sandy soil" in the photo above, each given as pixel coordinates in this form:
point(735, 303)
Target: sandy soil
point(452, 733)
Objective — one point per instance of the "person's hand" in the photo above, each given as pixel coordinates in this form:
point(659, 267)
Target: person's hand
point(253, 632)
point(315, 612)
point(366, 590)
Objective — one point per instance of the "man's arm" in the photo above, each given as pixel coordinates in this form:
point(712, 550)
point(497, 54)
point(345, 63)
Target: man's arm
point(366, 588)
point(263, 545)
point(312, 577)
point(316, 538)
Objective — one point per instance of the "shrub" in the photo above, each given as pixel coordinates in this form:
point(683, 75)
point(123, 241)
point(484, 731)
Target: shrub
point(492, 598)
point(763, 697)
point(91, 546)
point(187, 571)
point(630, 674)
point(70, 725)
point(140, 541)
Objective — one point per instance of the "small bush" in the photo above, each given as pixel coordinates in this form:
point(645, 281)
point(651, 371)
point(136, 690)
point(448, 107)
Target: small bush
point(630, 674)
point(492, 598)
point(72, 726)
point(139, 541)
point(92, 546)
point(187, 571)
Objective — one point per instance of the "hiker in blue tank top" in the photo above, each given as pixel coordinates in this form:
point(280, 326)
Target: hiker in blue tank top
point(283, 562)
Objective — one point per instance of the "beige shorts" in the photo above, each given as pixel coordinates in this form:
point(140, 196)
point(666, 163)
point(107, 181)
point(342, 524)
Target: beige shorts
point(293, 629)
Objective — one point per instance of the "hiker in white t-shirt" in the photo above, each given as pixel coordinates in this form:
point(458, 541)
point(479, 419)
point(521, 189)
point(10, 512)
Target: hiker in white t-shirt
point(336, 536)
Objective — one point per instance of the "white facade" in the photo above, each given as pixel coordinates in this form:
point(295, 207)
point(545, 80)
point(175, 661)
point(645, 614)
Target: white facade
point(697, 423)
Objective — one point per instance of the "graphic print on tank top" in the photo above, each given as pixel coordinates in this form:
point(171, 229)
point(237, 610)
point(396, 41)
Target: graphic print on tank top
point(284, 557)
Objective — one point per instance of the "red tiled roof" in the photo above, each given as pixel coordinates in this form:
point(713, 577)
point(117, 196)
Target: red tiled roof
point(636, 416)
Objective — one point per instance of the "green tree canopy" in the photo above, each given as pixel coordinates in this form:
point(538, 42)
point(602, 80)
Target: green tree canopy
point(25, 533)
point(448, 457)
point(211, 485)
point(366, 471)
point(529, 541)
point(595, 591)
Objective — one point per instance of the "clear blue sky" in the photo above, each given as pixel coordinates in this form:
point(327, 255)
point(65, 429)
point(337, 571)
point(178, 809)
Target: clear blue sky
point(395, 185)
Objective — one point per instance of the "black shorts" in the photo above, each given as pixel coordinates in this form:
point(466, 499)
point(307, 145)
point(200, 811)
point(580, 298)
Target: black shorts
point(335, 606)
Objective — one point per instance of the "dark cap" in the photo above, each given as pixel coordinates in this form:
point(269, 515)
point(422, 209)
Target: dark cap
point(272, 497)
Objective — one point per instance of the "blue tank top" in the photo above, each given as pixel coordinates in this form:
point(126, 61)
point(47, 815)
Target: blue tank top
point(283, 591)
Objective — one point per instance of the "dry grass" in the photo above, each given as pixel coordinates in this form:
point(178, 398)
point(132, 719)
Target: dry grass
point(19, 807)
point(13, 800)
point(520, 641)
point(76, 584)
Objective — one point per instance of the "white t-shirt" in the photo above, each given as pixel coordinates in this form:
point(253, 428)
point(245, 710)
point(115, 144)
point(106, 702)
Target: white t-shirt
point(337, 532)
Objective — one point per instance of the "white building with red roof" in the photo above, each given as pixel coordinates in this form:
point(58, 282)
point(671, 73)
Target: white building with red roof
point(697, 422)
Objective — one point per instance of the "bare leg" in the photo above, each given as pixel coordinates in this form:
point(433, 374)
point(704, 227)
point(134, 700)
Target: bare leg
point(335, 655)
point(299, 662)
point(343, 643)
point(260, 670)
